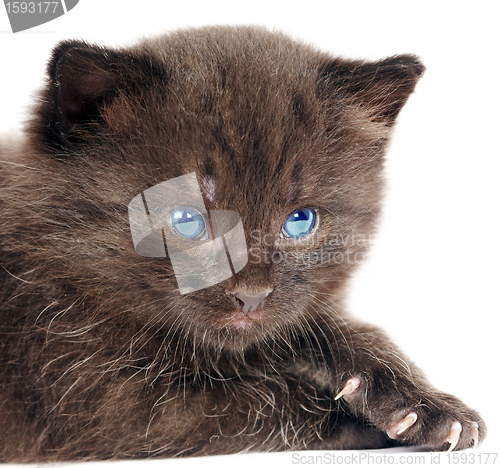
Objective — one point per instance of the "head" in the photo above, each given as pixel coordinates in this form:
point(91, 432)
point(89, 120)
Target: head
point(289, 138)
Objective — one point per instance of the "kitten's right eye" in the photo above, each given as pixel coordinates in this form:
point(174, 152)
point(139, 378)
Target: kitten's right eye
point(188, 223)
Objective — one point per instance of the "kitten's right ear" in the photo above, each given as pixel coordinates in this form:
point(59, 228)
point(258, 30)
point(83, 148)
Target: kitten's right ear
point(82, 79)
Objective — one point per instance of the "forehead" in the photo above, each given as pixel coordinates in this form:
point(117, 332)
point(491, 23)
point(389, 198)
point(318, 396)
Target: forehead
point(246, 126)
point(246, 118)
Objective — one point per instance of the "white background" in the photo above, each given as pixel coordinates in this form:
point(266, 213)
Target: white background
point(432, 279)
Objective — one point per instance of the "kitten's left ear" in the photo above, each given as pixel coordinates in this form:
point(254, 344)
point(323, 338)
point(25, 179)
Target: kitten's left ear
point(381, 87)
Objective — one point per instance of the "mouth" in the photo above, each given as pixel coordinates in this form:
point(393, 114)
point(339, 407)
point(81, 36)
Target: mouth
point(244, 320)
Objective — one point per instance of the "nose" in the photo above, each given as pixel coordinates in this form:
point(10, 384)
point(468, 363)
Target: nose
point(251, 301)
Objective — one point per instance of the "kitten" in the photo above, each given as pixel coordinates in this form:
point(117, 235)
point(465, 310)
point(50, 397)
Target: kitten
point(103, 355)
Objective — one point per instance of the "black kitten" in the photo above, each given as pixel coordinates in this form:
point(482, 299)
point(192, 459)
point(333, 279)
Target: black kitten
point(106, 353)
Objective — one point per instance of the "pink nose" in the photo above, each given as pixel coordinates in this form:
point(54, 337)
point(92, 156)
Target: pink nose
point(250, 303)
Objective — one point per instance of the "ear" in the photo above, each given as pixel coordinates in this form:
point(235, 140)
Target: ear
point(381, 87)
point(82, 79)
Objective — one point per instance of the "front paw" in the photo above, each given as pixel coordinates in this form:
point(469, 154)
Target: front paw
point(421, 418)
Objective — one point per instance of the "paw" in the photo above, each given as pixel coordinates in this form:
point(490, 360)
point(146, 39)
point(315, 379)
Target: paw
point(435, 420)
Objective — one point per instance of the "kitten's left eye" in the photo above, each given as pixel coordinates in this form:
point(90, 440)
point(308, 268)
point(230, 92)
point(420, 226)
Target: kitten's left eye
point(299, 224)
point(188, 223)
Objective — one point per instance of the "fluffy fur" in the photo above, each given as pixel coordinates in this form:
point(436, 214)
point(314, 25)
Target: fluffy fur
point(101, 357)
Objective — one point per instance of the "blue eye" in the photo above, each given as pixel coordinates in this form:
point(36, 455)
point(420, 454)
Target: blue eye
point(299, 223)
point(188, 223)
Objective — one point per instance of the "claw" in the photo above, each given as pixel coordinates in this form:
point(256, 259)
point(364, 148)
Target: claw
point(407, 422)
point(454, 435)
point(350, 387)
point(475, 434)
point(399, 428)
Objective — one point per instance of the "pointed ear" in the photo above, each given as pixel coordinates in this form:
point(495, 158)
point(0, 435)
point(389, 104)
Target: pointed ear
point(82, 78)
point(381, 87)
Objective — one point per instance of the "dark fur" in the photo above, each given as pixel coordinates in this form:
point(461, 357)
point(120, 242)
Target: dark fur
point(101, 357)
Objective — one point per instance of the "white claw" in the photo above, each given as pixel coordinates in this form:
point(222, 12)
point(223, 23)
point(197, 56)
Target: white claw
point(454, 435)
point(396, 430)
point(475, 434)
point(349, 388)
